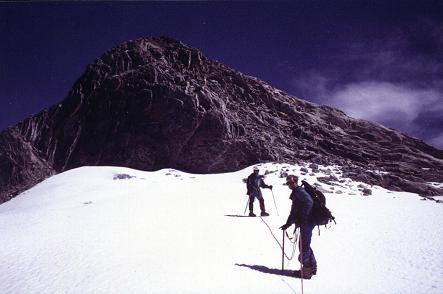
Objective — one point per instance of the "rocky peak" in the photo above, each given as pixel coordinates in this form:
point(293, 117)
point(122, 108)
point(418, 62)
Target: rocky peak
point(155, 102)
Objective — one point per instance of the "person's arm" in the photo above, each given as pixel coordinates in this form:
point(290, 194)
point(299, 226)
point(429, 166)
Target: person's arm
point(248, 186)
point(263, 184)
point(292, 215)
point(292, 218)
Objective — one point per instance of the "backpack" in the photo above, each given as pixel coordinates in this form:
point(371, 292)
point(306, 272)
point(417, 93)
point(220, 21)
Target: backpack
point(320, 214)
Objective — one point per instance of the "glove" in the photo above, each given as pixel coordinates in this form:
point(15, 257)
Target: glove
point(284, 227)
point(270, 187)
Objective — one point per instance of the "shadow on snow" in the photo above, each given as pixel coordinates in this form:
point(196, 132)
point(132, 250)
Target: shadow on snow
point(266, 270)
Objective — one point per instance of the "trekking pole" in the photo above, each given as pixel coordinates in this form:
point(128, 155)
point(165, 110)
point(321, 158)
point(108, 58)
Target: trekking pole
point(247, 202)
point(283, 252)
point(274, 202)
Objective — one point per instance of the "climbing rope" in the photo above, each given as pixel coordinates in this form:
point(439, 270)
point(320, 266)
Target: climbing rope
point(280, 245)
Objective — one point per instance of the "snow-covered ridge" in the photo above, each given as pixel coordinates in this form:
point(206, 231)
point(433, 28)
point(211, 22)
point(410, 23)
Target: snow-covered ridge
point(119, 230)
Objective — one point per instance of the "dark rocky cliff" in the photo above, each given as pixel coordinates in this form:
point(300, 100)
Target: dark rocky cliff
point(155, 103)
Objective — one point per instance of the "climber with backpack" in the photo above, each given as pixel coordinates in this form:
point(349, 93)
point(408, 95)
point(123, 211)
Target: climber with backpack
point(302, 206)
point(307, 211)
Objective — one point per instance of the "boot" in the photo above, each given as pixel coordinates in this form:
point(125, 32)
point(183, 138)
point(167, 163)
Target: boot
point(251, 213)
point(305, 273)
point(314, 269)
point(264, 213)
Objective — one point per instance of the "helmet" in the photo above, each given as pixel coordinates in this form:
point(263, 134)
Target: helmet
point(255, 168)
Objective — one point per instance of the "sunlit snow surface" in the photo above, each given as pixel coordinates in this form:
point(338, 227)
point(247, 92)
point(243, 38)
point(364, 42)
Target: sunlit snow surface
point(118, 230)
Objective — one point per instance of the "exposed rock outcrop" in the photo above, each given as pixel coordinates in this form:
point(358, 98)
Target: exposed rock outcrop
point(155, 103)
point(20, 164)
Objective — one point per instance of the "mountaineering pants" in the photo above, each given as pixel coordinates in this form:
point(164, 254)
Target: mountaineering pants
point(306, 253)
point(260, 200)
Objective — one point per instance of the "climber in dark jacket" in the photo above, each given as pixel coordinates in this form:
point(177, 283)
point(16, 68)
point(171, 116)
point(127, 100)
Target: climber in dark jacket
point(301, 208)
point(253, 184)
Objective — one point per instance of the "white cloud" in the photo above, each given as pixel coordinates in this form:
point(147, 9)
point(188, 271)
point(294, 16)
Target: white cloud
point(394, 81)
point(384, 102)
point(313, 85)
point(437, 141)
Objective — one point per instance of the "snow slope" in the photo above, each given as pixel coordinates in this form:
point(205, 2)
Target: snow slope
point(86, 231)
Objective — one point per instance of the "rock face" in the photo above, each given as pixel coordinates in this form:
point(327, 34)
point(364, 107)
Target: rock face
point(155, 103)
point(20, 164)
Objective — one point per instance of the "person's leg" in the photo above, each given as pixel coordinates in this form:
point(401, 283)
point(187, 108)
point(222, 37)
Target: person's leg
point(306, 257)
point(251, 205)
point(307, 253)
point(262, 203)
point(314, 263)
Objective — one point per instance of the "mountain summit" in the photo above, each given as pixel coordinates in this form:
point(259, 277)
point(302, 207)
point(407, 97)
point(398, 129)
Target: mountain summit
point(156, 102)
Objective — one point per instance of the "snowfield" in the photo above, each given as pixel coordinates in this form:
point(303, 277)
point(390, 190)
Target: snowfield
point(119, 230)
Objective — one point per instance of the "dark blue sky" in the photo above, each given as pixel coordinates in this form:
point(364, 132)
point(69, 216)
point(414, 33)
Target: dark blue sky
point(377, 60)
